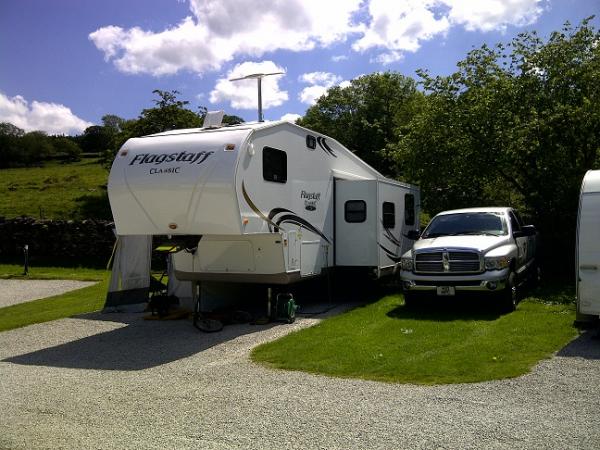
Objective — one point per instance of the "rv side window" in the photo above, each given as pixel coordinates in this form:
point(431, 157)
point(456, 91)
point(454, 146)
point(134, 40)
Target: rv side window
point(355, 211)
point(389, 215)
point(409, 209)
point(274, 165)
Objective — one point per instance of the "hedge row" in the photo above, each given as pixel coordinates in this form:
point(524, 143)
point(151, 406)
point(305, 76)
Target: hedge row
point(57, 242)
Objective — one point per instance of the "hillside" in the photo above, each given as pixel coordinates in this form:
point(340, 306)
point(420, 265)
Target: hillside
point(55, 191)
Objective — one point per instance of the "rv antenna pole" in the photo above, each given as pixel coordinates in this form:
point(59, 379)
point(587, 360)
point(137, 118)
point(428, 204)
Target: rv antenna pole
point(260, 113)
point(259, 77)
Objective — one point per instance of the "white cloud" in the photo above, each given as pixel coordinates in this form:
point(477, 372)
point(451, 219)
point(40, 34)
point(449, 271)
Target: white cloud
point(52, 118)
point(338, 58)
point(398, 27)
point(326, 79)
point(309, 95)
point(487, 15)
point(320, 82)
point(291, 117)
point(221, 30)
point(243, 94)
point(388, 58)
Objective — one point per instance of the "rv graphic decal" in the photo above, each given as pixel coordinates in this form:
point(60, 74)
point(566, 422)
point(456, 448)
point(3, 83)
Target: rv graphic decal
point(388, 234)
point(180, 157)
point(391, 255)
point(310, 200)
point(155, 170)
point(394, 240)
point(325, 146)
point(277, 217)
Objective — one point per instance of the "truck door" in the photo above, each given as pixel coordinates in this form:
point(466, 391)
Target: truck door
point(522, 242)
point(588, 254)
point(356, 223)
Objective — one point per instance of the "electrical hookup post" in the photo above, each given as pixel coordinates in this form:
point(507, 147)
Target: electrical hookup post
point(25, 259)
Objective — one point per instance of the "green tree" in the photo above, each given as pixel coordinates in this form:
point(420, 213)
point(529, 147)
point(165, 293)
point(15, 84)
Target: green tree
point(366, 115)
point(35, 147)
point(96, 139)
point(66, 149)
point(8, 129)
point(168, 114)
point(516, 124)
point(113, 123)
point(10, 155)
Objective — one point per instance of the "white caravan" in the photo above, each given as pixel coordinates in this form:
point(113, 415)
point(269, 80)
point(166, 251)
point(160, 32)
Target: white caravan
point(588, 246)
point(266, 202)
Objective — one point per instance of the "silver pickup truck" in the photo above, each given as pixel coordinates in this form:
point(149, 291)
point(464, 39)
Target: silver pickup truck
point(485, 250)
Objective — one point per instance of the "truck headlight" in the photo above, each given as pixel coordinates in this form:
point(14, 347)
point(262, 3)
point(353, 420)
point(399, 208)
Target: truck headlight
point(496, 262)
point(406, 263)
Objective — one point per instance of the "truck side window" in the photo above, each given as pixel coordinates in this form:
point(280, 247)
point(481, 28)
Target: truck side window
point(355, 211)
point(389, 215)
point(274, 165)
point(514, 223)
point(409, 209)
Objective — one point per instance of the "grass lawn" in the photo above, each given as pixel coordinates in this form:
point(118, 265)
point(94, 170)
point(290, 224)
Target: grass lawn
point(438, 343)
point(71, 303)
point(56, 191)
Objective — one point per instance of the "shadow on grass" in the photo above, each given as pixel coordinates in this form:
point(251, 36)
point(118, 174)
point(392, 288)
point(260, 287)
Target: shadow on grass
point(586, 346)
point(449, 309)
point(139, 345)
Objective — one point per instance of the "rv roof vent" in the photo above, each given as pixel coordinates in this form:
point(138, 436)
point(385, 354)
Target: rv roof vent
point(213, 119)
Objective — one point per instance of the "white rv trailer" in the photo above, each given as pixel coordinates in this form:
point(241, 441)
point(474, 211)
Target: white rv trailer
point(265, 202)
point(588, 246)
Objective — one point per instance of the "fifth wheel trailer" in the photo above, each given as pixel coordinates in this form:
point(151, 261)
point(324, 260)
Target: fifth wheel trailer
point(266, 202)
point(588, 246)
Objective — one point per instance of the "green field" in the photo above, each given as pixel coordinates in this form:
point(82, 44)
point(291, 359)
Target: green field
point(55, 191)
point(434, 344)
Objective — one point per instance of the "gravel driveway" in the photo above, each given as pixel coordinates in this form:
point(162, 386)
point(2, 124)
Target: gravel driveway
point(116, 381)
point(19, 291)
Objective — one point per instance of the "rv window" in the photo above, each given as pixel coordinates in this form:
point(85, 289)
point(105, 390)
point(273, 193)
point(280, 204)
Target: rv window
point(355, 211)
point(389, 215)
point(274, 165)
point(409, 209)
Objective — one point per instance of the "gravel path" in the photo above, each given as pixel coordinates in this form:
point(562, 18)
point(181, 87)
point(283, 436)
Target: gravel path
point(116, 381)
point(20, 291)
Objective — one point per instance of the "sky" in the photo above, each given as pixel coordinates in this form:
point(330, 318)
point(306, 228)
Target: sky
point(66, 63)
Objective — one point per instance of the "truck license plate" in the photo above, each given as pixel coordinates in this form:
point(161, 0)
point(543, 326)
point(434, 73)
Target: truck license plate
point(445, 290)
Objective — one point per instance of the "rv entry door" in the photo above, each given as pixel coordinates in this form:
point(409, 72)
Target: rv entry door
point(356, 223)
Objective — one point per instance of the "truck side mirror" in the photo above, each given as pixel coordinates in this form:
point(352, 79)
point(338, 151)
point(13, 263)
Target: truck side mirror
point(528, 230)
point(413, 235)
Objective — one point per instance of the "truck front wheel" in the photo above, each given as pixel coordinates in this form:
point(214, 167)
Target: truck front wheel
point(509, 297)
point(409, 299)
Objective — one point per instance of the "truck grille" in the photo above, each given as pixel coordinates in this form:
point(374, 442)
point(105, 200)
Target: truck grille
point(448, 262)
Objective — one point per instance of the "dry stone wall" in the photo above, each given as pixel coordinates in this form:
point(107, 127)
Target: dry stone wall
point(57, 242)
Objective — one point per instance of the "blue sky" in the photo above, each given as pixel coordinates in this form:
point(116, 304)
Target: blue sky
point(66, 63)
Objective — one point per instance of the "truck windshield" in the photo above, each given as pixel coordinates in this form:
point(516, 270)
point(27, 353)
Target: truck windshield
point(480, 223)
